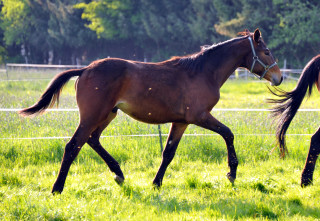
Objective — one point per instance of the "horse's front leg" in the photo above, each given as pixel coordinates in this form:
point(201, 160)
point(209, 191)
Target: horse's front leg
point(307, 174)
point(207, 121)
point(176, 132)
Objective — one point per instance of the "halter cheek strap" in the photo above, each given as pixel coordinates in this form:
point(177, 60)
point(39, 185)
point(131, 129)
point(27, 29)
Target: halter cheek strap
point(256, 59)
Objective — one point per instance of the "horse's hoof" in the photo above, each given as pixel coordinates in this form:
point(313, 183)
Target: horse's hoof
point(56, 189)
point(119, 180)
point(231, 178)
point(305, 182)
point(156, 186)
point(55, 193)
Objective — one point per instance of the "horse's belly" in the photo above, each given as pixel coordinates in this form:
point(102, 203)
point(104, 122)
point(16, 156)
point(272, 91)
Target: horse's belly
point(153, 114)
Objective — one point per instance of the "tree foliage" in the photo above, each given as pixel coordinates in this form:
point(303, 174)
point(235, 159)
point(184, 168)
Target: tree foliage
point(39, 27)
point(70, 30)
point(290, 27)
point(297, 35)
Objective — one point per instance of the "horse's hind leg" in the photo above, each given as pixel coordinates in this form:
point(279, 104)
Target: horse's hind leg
point(307, 174)
point(94, 142)
point(169, 151)
point(72, 149)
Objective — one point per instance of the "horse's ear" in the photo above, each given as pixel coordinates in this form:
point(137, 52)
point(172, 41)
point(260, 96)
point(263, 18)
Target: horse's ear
point(257, 35)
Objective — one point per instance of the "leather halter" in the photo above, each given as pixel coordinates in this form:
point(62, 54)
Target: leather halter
point(256, 59)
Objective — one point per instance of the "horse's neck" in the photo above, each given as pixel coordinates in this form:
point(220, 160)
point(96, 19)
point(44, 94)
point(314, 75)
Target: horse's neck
point(230, 58)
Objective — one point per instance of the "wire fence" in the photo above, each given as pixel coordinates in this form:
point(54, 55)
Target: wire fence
point(160, 134)
point(142, 135)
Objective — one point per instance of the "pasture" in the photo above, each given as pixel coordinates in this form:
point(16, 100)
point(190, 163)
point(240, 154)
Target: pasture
point(195, 186)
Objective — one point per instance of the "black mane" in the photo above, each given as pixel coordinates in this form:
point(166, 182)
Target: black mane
point(195, 62)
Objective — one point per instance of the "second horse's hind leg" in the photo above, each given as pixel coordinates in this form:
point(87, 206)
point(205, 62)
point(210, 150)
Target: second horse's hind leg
point(307, 174)
point(94, 142)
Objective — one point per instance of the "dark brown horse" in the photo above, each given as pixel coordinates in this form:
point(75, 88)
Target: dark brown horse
point(287, 109)
point(182, 90)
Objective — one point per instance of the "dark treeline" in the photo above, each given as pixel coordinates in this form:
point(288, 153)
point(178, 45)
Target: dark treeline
point(73, 32)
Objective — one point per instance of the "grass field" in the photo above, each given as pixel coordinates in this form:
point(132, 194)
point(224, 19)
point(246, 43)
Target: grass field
point(195, 186)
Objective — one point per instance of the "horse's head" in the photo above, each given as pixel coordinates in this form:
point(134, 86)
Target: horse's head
point(260, 61)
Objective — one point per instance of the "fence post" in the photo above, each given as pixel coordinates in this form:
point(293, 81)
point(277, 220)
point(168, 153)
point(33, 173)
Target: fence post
point(284, 73)
point(160, 138)
point(7, 71)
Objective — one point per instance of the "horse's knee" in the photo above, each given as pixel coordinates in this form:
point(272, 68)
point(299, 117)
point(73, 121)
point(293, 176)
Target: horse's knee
point(230, 135)
point(315, 141)
point(71, 150)
point(314, 148)
point(70, 147)
point(227, 134)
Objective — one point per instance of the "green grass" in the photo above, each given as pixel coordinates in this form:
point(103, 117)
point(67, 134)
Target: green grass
point(195, 186)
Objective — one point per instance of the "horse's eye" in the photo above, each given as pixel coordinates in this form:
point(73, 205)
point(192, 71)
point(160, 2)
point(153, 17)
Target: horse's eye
point(267, 52)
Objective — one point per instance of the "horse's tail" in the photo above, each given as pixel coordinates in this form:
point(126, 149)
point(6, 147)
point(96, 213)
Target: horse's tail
point(289, 102)
point(52, 93)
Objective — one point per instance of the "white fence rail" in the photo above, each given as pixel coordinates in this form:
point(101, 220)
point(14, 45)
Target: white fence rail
point(42, 66)
point(242, 73)
point(32, 72)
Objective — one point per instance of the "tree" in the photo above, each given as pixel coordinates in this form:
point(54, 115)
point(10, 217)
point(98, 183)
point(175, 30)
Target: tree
point(43, 28)
point(59, 31)
point(13, 31)
point(117, 23)
point(297, 35)
point(3, 51)
point(69, 38)
point(156, 29)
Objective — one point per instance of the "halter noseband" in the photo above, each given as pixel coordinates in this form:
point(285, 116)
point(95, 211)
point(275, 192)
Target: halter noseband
point(256, 59)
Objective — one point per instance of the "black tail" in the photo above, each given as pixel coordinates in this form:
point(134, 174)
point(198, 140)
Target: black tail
point(289, 102)
point(52, 93)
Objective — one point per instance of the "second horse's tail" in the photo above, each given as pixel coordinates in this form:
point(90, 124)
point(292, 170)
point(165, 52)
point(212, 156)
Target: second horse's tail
point(289, 102)
point(52, 93)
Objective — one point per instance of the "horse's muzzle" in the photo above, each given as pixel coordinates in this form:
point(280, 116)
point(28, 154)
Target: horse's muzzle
point(276, 80)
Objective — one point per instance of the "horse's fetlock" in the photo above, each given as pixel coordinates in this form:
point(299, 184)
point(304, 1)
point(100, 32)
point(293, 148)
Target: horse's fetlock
point(233, 163)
